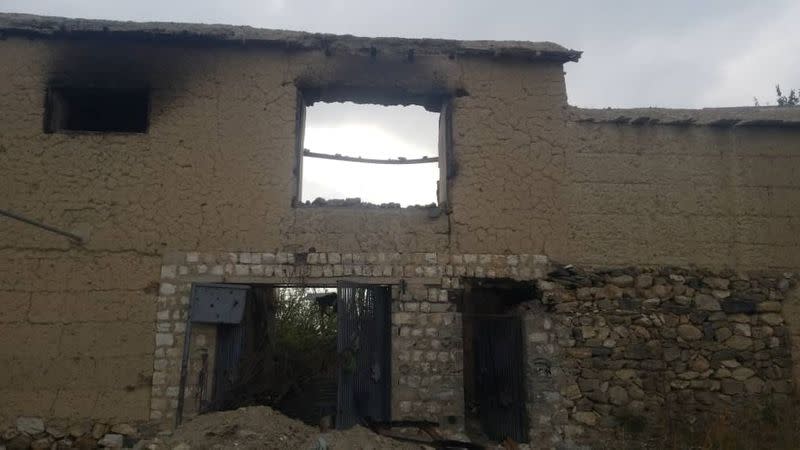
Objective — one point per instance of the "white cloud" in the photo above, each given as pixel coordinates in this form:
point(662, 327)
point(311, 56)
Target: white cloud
point(770, 56)
point(371, 131)
point(681, 53)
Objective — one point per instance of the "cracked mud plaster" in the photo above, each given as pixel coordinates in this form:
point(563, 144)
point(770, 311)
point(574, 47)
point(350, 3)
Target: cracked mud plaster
point(215, 172)
point(75, 334)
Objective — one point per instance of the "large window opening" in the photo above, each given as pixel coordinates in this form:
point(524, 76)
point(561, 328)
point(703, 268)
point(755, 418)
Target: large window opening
point(367, 154)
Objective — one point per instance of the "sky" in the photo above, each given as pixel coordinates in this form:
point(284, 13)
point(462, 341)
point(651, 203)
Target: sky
point(677, 53)
point(637, 53)
point(371, 131)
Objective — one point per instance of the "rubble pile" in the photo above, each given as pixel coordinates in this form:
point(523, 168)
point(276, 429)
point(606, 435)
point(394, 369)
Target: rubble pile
point(260, 427)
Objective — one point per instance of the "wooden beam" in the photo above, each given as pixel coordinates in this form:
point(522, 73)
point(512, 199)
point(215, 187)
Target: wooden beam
point(338, 157)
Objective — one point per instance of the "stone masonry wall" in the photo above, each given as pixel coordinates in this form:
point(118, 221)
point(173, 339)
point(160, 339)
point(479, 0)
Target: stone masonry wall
point(628, 351)
point(427, 360)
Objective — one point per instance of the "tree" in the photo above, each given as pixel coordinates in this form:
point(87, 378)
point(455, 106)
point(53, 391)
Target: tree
point(793, 99)
point(784, 100)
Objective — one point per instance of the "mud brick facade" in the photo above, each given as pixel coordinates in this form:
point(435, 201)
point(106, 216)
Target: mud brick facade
point(662, 246)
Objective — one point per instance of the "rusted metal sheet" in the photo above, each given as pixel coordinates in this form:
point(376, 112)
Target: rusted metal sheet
point(363, 344)
point(219, 303)
point(499, 377)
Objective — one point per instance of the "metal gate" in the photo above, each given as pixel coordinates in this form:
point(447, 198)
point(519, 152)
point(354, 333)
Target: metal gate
point(230, 339)
point(497, 342)
point(363, 341)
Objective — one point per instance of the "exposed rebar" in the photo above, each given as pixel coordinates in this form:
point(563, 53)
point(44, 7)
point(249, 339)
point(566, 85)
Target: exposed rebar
point(41, 225)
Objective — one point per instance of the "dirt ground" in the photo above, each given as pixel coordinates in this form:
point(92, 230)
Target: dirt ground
point(260, 427)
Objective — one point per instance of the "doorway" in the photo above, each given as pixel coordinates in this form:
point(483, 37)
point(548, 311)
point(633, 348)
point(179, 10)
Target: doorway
point(318, 354)
point(494, 387)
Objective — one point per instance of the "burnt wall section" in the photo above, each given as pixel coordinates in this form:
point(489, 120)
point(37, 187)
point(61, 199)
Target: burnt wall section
point(634, 353)
point(530, 175)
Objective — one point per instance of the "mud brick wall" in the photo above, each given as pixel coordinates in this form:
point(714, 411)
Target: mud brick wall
point(215, 172)
point(654, 345)
point(76, 334)
point(655, 193)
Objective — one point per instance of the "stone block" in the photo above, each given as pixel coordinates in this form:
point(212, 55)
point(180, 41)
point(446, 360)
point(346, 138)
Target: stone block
point(737, 342)
point(732, 387)
point(586, 417)
point(705, 302)
point(30, 425)
point(617, 395)
point(111, 441)
point(769, 307)
point(689, 332)
point(716, 283)
point(742, 373)
point(772, 319)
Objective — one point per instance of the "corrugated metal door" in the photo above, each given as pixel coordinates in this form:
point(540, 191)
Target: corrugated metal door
point(363, 344)
point(499, 377)
point(230, 340)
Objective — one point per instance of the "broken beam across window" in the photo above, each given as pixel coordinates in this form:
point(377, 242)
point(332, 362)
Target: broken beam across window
point(401, 160)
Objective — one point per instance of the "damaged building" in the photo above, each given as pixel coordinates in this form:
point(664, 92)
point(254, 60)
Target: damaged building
point(579, 268)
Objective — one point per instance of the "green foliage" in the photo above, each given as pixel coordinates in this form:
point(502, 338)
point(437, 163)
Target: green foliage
point(300, 322)
point(793, 99)
point(783, 100)
point(787, 100)
point(305, 334)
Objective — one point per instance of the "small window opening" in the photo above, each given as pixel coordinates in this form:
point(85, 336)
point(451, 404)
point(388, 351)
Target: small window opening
point(366, 154)
point(96, 109)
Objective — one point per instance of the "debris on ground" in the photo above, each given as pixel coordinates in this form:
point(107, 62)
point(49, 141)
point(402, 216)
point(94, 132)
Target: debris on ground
point(261, 427)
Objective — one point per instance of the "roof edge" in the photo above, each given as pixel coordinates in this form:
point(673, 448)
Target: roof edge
point(748, 116)
point(14, 24)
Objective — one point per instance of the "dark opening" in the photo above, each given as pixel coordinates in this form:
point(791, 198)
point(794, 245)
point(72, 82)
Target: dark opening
point(320, 355)
point(97, 109)
point(285, 356)
point(494, 392)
